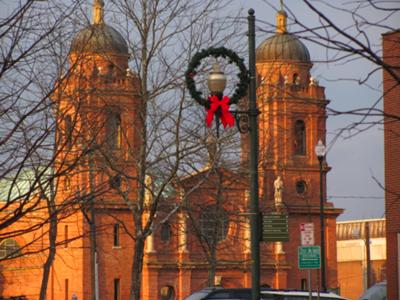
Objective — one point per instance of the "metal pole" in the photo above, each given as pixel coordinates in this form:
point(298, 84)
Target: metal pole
point(309, 285)
point(253, 164)
point(368, 254)
point(322, 221)
point(93, 242)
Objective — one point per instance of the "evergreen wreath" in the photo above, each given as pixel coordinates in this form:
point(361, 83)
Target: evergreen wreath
point(243, 75)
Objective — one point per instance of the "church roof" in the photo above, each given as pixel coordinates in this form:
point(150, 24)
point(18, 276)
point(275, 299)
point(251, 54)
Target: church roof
point(18, 186)
point(283, 47)
point(99, 38)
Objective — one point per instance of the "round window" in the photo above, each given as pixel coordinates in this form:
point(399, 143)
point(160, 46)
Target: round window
point(301, 187)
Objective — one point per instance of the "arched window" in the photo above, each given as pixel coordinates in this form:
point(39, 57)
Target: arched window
point(167, 293)
point(9, 248)
point(214, 224)
point(299, 138)
point(116, 236)
point(117, 289)
point(68, 131)
point(67, 183)
point(165, 232)
point(296, 78)
point(114, 130)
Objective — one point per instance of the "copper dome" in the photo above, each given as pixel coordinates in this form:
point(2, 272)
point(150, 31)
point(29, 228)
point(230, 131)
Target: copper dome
point(282, 47)
point(99, 38)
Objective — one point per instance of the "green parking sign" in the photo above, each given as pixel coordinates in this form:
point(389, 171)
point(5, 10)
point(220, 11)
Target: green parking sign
point(309, 257)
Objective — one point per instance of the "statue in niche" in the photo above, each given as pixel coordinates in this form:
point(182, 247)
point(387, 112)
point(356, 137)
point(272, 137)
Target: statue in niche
point(278, 185)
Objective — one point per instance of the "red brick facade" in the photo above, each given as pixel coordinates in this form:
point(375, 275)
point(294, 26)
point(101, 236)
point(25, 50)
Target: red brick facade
point(282, 105)
point(179, 254)
point(391, 91)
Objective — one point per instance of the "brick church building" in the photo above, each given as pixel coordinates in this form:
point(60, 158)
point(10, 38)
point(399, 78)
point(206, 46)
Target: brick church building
point(193, 247)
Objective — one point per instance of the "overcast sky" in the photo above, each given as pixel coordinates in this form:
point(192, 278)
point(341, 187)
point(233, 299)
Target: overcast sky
point(355, 161)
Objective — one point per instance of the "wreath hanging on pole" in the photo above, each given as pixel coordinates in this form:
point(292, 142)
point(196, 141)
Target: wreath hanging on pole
point(213, 104)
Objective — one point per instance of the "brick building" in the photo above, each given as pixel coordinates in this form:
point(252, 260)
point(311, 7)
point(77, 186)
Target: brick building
point(391, 90)
point(209, 242)
point(360, 267)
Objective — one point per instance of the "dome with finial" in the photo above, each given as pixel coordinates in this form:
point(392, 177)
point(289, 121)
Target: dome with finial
point(282, 46)
point(99, 37)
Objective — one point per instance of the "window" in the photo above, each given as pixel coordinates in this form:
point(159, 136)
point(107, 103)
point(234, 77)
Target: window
point(304, 286)
point(301, 187)
point(66, 236)
point(9, 248)
point(299, 138)
point(116, 235)
point(295, 78)
point(68, 131)
point(167, 293)
point(114, 130)
point(165, 232)
point(67, 183)
point(116, 289)
point(214, 224)
point(115, 182)
point(66, 289)
point(110, 70)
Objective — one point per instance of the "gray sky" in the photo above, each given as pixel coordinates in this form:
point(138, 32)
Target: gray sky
point(356, 160)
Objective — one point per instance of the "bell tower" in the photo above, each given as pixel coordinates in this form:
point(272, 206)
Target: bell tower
point(292, 120)
point(98, 113)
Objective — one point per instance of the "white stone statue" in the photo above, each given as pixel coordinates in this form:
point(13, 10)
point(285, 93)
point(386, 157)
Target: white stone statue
point(278, 185)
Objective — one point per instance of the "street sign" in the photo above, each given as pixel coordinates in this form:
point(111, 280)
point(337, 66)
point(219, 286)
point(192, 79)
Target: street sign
point(309, 257)
point(307, 234)
point(275, 228)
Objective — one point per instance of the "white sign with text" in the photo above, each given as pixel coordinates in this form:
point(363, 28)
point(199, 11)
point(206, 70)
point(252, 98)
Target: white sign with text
point(307, 234)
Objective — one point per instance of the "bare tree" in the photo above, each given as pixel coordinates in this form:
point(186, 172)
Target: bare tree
point(33, 64)
point(163, 35)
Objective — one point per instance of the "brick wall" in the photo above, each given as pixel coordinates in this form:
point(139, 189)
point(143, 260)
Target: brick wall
point(391, 56)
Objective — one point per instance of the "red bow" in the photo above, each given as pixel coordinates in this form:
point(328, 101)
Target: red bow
point(223, 113)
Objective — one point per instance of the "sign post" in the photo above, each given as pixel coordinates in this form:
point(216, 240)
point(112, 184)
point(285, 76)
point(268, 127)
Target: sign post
point(307, 239)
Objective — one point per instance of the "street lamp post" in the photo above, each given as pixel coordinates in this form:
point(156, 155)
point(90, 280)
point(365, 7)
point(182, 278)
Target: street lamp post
point(320, 151)
point(253, 163)
point(219, 108)
point(216, 83)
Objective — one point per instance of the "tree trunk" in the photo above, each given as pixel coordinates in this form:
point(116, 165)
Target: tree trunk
point(211, 272)
point(52, 251)
point(137, 267)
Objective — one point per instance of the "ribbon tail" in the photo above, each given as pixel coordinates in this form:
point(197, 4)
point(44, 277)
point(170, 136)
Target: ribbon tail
point(231, 120)
point(227, 119)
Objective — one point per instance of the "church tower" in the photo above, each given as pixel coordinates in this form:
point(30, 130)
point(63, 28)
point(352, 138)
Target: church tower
point(99, 132)
point(292, 120)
